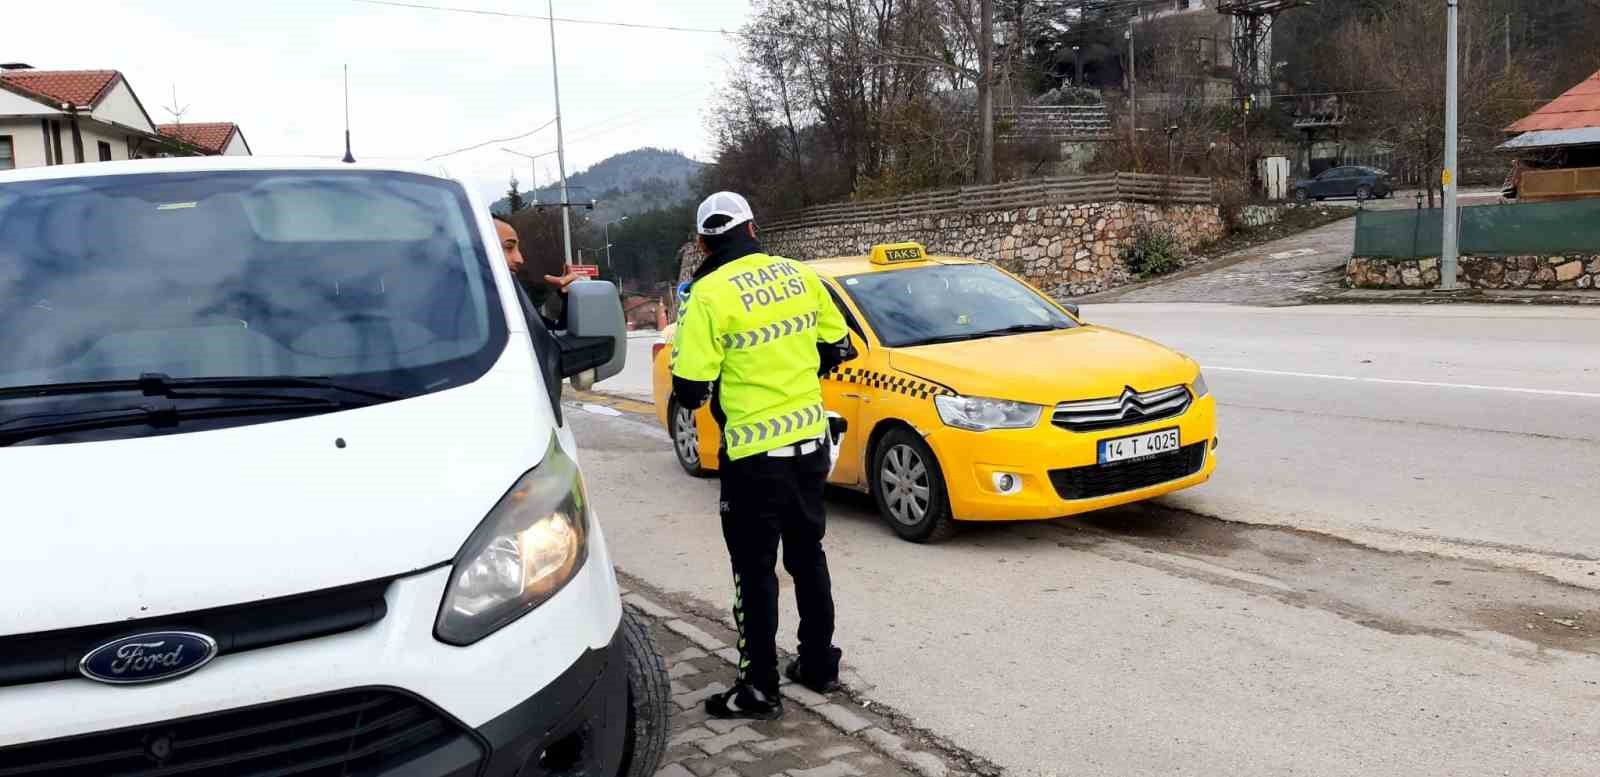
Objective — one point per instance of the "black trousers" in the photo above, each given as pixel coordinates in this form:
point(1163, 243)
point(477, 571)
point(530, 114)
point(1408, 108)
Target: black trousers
point(764, 500)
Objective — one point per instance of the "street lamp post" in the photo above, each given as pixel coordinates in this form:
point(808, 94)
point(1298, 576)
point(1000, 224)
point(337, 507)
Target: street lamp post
point(533, 180)
point(606, 227)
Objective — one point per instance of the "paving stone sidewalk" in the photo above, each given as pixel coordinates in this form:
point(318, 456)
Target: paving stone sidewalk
point(816, 737)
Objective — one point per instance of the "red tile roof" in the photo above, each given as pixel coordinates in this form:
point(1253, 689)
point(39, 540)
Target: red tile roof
point(1579, 107)
point(77, 87)
point(212, 136)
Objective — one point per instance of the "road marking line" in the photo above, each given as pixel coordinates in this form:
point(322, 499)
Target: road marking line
point(1396, 382)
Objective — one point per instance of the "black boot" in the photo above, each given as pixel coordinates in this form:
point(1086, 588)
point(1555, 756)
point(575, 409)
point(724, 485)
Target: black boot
point(820, 677)
point(743, 701)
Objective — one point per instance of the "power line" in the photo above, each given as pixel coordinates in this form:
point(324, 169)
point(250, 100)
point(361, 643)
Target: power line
point(537, 17)
point(477, 146)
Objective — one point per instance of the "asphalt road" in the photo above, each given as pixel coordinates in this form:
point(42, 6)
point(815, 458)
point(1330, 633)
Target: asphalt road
point(1466, 429)
point(1192, 637)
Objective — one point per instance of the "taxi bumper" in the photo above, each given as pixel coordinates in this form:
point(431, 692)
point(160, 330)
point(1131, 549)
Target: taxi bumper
point(1055, 471)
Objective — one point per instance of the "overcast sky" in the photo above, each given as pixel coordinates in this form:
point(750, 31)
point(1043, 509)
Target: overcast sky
point(422, 82)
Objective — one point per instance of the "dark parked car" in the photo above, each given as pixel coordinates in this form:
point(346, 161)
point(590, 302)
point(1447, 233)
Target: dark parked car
point(1362, 183)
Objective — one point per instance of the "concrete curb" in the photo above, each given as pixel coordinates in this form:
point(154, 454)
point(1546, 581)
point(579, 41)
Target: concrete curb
point(840, 713)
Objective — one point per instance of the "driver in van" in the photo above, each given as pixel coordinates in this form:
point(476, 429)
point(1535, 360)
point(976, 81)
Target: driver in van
point(512, 246)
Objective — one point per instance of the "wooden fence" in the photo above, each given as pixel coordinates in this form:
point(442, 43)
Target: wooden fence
point(1113, 187)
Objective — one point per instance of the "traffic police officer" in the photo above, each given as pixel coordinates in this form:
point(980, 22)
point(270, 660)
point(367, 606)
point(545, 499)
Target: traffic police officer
point(754, 335)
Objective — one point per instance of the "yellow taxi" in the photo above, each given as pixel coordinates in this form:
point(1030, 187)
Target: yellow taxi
point(975, 397)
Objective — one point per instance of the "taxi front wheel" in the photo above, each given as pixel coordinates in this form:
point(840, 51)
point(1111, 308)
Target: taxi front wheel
point(909, 488)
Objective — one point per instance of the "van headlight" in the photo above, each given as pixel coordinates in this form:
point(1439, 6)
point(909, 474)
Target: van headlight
point(978, 414)
point(526, 550)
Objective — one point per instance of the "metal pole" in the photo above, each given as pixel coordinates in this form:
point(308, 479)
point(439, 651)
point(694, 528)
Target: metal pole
point(607, 229)
point(986, 92)
point(561, 151)
point(1508, 44)
point(1450, 254)
point(1133, 92)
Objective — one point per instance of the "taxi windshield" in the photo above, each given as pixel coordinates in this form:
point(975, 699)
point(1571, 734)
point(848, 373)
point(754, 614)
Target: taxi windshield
point(948, 303)
point(373, 279)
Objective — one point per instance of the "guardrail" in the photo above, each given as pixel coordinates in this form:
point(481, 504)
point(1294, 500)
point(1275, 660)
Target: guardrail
point(1112, 187)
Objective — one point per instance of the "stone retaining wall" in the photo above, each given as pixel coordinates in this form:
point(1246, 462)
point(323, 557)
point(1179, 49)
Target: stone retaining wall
point(1065, 250)
point(1478, 272)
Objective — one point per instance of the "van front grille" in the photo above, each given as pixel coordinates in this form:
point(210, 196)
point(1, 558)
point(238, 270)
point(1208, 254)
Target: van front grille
point(332, 735)
point(54, 655)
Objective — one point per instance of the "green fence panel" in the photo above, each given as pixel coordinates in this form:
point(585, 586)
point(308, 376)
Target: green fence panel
point(1399, 234)
point(1532, 229)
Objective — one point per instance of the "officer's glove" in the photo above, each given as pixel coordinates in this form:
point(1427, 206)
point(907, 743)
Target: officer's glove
point(831, 355)
point(690, 394)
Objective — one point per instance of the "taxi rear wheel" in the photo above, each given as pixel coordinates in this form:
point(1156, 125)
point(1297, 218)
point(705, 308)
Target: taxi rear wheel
point(909, 488)
point(685, 434)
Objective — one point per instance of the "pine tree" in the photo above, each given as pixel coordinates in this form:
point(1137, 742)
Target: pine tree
point(514, 200)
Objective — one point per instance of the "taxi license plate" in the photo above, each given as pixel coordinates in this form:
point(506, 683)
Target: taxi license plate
point(1139, 446)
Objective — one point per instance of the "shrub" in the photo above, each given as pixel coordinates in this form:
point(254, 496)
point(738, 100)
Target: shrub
point(1155, 251)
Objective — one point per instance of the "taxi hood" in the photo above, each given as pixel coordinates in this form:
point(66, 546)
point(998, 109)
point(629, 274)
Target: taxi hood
point(1085, 362)
point(99, 532)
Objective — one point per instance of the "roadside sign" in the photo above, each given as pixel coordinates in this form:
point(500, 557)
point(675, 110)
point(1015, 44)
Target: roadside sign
point(590, 271)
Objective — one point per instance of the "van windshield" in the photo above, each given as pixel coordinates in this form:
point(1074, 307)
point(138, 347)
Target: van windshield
point(376, 280)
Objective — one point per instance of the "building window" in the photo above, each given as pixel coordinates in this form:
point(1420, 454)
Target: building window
point(105, 151)
point(8, 154)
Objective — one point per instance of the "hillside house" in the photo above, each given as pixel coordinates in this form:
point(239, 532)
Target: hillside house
point(1557, 148)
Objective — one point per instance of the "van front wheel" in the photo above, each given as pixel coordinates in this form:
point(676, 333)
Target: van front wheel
point(649, 694)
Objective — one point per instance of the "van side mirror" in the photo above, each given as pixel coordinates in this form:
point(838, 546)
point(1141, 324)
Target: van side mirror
point(595, 346)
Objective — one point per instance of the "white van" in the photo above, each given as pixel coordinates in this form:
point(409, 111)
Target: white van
point(286, 489)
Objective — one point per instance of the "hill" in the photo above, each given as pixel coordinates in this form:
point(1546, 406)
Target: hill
point(627, 184)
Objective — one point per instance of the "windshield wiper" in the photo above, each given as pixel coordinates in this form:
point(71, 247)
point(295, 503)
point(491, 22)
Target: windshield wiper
point(223, 387)
point(162, 416)
point(1014, 329)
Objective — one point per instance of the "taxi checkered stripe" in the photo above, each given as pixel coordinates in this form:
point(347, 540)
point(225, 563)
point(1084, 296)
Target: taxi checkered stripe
point(898, 384)
point(770, 332)
point(775, 427)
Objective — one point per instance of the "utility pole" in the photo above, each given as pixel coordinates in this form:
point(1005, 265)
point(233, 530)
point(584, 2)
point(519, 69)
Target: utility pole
point(561, 151)
point(1449, 255)
point(985, 93)
point(1508, 44)
point(1133, 90)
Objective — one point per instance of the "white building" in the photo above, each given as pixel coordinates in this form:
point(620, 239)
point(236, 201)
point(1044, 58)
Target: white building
point(56, 117)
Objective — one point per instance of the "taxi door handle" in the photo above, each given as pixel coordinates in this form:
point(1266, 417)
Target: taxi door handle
point(855, 396)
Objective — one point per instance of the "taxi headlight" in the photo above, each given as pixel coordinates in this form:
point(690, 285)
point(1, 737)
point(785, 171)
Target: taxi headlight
point(1199, 387)
point(978, 414)
point(525, 551)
